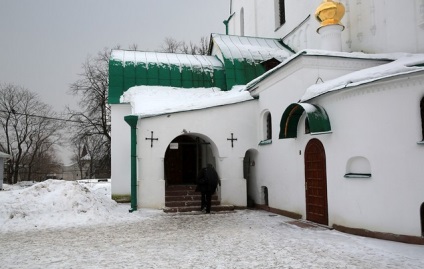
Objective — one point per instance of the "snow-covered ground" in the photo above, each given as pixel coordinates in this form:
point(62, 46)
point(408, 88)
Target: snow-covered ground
point(59, 224)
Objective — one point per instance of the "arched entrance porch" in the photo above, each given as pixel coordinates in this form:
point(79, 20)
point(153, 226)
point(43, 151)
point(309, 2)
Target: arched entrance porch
point(185, 157)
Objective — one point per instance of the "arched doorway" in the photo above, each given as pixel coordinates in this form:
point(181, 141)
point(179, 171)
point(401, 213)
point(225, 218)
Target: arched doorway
point(249, 173)
point(316, 182)
point(184, 158)
point(422, 219)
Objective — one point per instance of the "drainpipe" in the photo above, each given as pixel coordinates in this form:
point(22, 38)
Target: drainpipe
point(132, 121)
point(226, 22)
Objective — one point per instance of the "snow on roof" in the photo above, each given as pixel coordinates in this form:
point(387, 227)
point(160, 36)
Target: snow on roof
point(158, 58)
point(149, 101)
point(308, 52)
point(404, 64)
point(252, 49)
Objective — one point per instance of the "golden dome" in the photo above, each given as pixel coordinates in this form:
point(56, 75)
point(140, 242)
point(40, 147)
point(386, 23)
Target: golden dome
point(330, 13)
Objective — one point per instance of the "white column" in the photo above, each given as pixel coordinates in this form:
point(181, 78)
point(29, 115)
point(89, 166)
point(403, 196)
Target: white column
point(331, 37)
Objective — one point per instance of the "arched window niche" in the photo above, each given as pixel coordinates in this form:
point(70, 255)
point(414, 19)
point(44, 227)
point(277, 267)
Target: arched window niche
point(267, 129)
point(358, 167)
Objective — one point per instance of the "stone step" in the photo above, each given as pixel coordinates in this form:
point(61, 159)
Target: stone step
point(187, 198)
point(188, 203)
point(183, 198)
point(181, 192)
point(216, 208)
point(181, 187)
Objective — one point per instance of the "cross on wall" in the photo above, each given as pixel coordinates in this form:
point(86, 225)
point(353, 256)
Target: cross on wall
point(151, 139)
point(232, 139)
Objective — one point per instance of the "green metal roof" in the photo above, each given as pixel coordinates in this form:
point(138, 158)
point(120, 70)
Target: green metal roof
point(318, 119)
point(237, 61)
point(250, 49)
point(242, 55)
point(136, 68)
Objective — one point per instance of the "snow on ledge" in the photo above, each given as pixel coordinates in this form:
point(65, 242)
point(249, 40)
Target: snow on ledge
point(403, 64)
point(147, 101)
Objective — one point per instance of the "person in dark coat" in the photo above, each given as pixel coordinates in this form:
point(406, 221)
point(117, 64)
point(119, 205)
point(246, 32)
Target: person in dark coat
point(207, 182)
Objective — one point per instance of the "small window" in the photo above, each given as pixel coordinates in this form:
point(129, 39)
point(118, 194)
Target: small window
point(270, 64)
point(282, 12)
point(307, 129)
point(267, 129)
point(242, 22)
point(268, 126)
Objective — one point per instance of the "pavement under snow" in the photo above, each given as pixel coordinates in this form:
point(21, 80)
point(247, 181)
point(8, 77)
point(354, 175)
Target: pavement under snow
point(59, 224)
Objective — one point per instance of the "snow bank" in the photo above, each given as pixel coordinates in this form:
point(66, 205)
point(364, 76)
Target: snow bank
point(58, 203)
point(157, 100)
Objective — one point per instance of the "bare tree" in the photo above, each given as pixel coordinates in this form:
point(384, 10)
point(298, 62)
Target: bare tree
point(171, 45)
point(94, 117)
point(79, 152)
point(203, 48)
point(28, 128)
point(92, 87)
point(133, 47)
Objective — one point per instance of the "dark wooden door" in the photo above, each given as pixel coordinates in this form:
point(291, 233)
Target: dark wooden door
point(180, 163)
point(316, 182)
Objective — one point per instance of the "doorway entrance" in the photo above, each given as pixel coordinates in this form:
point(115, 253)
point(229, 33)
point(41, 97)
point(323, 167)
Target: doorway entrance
point(184, 158)
point(316, 182)
point(422, 219)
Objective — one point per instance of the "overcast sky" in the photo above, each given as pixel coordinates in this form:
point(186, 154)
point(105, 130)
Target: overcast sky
point(44, 42)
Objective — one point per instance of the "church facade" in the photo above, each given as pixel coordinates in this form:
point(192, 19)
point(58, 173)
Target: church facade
point(312, 110)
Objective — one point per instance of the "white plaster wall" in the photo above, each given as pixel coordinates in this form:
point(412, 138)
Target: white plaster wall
point(379, 26)
point(120, 150)
point(375, 26)
point(280, 166)
point(380, 122)
point(214, 125)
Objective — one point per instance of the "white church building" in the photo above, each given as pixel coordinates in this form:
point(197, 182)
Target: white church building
point(310, 109)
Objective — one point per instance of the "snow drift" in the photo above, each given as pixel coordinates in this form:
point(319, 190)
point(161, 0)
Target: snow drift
point(52, 203)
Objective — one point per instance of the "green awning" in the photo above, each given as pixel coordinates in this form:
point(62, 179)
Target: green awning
point(318, 119)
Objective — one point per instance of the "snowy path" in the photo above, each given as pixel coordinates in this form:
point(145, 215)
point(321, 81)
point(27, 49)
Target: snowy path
point(245, 239)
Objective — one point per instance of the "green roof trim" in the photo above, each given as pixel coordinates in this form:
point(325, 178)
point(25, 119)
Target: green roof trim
point(319, 122)
point(250, 49)
point(243, 55)
point(135, 68)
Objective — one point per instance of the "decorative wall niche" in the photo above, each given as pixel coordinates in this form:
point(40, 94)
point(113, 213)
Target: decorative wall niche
point(358, 167)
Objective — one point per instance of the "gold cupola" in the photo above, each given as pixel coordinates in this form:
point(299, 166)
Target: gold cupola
point(330, 13)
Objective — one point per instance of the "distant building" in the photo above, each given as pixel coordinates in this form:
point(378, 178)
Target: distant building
point(76, 171)
point(3, 157)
